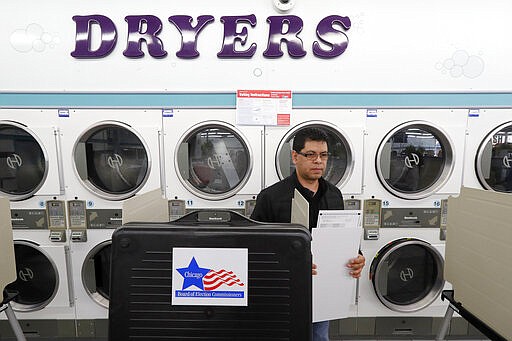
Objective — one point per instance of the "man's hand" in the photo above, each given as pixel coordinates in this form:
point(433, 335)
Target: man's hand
point(313, 271)
point(356, 266)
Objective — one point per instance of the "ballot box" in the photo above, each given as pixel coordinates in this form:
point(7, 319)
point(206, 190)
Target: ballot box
point(211, 275)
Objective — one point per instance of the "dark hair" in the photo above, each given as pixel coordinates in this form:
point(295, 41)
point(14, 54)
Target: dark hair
point(310, 133)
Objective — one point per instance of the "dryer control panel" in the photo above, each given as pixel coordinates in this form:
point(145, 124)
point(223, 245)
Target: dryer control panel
point(177, 209)
point(56, 213)
point(371, 218)
point(411, 217)
point(352, 204)
point(77, 220)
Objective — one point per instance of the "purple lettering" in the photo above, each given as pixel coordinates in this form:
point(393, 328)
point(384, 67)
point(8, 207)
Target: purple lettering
point(231, 36)
point(96, 36)
point(83, 47)
point(328, 34)
point(137, 34)
point(277, 35)
point(189, 33)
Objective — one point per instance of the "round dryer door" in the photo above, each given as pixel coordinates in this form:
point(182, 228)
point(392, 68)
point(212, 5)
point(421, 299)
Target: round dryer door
point(23, 162)
point(112, 160)
point(340, 162)
point(38, 277)
point(407, 274)
point(96, 273)
point(494, 160)
point(213, 160)
point(414, 160)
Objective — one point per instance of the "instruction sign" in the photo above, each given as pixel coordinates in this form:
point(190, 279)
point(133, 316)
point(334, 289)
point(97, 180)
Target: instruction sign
point(263, 107)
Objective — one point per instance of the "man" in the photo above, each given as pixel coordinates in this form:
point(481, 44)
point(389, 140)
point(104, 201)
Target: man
point(274, 204)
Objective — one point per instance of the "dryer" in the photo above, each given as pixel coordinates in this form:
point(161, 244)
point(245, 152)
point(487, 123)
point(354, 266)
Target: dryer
point(44, 280)
point(210, 161)
point(488, 162)
point(414, 161)
point(345, 131)
point(31, 177)
point(403, 275)
point(110, 155)
point(30, 163)
point(414, 157)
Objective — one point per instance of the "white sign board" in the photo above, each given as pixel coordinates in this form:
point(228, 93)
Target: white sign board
point(224, 45)
point(263, 107)
point(209, 276)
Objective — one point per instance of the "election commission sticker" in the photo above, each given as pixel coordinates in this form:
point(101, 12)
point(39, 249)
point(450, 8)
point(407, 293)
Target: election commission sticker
point(209, 276)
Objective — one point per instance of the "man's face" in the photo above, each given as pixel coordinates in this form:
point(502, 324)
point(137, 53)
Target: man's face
point(310, 169)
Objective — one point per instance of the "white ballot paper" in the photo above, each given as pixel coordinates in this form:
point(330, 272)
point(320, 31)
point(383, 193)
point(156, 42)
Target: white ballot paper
point(339, 218)
point(334, 289)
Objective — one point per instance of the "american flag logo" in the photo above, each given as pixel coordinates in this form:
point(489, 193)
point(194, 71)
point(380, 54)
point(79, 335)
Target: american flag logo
point(214, 279)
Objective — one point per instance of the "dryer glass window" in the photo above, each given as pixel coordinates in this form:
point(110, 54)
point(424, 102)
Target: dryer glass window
point(96, 273)
point(338, 164)
point(214, 161)
point(414, 160)
point(407, 275)
point(22, 162)
point(37, 281)
point(494, 160)
point(112, 161)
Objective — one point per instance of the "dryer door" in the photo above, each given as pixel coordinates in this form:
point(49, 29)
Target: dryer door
point(407, 274)
point(494, 160)
point(213, 160)
point(341, 160)
point(39, 283)
point(112, 160)
point(23, 161)
point(414, 160)
point(96, 273)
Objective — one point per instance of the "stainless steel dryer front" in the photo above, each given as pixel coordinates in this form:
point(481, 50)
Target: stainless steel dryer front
point(413, 162)
point(109, 155)
point(345, 131)
point(212, 162)
point(488, 161)
point(31, 177)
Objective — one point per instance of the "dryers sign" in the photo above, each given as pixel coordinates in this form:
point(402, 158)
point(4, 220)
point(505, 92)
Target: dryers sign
point(332, 46)
point(146, 29)
point(205, 276)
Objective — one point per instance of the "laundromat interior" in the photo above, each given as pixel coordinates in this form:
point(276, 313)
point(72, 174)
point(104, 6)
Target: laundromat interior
point(196, 104)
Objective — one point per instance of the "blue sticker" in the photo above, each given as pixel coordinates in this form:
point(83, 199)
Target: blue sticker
point(474, 113)
point(63, 112)
point(167, 112)
point(371, 113)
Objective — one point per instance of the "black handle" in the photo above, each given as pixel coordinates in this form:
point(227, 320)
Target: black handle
point(217, 217)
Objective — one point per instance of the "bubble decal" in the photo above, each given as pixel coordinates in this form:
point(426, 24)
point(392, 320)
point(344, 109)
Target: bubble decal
point(462, 64)
point(358, 22)
point(32, 38)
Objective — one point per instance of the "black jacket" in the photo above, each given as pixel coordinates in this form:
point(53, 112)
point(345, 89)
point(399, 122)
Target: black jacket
point(274, 203)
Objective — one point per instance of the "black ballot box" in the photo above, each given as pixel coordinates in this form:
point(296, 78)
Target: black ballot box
point(211, 275)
